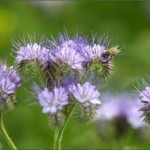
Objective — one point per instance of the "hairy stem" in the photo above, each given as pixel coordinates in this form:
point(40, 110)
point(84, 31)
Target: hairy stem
point(5, 134)
point(63, 129)
point(56, 137)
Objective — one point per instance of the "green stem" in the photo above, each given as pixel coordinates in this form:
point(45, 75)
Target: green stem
point(56, 137)
point(63, 129)
point(5, 134)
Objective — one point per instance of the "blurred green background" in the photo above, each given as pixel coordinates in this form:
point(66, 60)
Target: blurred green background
point(129, 25)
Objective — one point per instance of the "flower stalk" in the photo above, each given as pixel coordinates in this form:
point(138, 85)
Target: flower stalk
point(63, 128)
point(5, 134)
point(58, 135)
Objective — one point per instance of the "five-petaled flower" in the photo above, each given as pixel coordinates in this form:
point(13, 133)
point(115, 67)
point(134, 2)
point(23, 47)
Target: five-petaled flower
point(85, 94)
point(53, 101)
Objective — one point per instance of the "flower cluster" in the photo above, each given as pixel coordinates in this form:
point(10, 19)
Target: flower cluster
point(70, 70)
point(66, 66)
point(9, 82)
point(124, 107)
point(78, 53)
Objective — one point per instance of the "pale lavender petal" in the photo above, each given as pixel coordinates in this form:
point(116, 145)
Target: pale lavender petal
point(54, 100)
point(84, 93)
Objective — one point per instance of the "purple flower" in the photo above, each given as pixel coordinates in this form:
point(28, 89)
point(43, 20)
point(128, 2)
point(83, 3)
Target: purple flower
point(32, 51)
point(77, 52)
point(14, 77)
point(122, 106)
point(87, 53)
point(95, 51)
point(53, 101)
point(9, 81)
point(67, 52)
point(134, 115)
point(6, 86)
point(85, 94)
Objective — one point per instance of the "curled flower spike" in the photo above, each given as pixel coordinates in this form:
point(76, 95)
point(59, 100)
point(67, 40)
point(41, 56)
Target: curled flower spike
point(98, 54)
point(31, 57)
point(9, 82)
point(80, 54)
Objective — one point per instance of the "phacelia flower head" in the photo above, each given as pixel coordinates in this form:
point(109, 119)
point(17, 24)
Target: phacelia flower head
point(53, 101)
point(99, 52)
point(69, 55)
point(32, 51)
point(9, 82)
point(80, 54)
point(67, 51)
point(124, 107)
point(85, 94)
